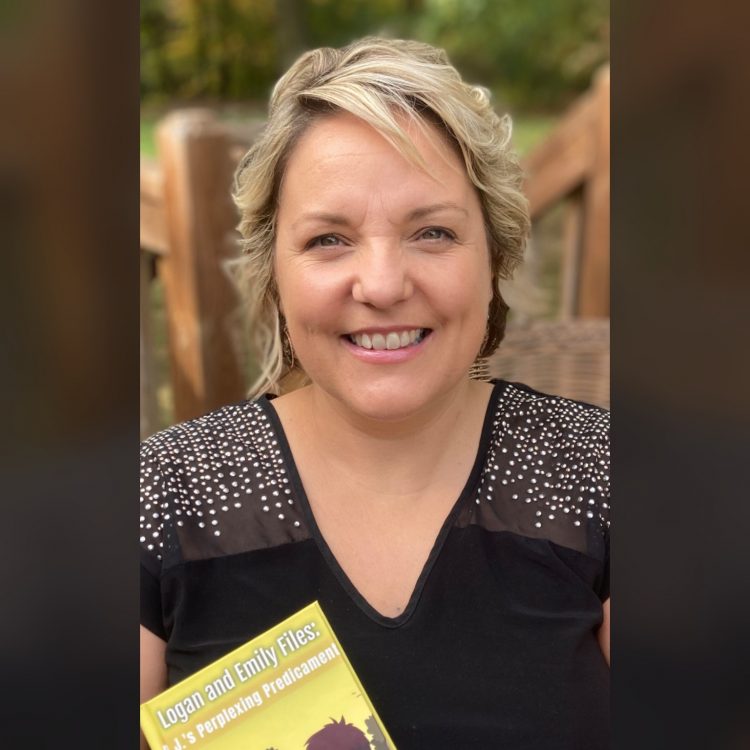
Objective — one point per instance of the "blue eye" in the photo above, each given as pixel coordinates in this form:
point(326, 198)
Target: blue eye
point(324, 240)
point(435, 234)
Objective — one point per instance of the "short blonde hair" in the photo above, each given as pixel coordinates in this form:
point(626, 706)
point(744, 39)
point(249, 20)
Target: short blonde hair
point(381, 81)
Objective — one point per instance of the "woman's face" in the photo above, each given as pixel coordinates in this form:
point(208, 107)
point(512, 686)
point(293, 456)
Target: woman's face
point(383, 270)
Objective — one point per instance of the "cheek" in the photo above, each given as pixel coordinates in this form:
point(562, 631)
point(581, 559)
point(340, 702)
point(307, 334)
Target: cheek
point(310, 297)
point(471, 290)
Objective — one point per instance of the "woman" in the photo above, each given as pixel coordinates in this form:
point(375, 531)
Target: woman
point(455, 531)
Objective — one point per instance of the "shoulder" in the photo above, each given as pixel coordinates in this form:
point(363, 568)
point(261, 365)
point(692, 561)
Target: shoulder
point(190, 470)
point(211, 434)
point(557, 416)
point(552, 427)
point(551, 456)
point(241, 435)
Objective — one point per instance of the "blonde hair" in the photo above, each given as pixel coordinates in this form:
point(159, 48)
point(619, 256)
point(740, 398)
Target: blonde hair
point(387, 83)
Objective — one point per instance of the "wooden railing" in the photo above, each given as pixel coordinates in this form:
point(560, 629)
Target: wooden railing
point(572, 166)
point(188, 234)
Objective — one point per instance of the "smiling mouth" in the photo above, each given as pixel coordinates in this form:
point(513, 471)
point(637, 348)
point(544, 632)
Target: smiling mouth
point(390, 340)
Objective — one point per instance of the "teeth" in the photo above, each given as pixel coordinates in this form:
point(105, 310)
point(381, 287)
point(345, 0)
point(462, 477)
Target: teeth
point(393, 340)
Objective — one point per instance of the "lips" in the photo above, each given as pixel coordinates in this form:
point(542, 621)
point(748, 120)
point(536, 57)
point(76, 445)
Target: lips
point(389, 340)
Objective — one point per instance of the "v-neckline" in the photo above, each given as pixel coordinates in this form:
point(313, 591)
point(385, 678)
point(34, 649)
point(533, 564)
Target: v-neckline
point(351, 590)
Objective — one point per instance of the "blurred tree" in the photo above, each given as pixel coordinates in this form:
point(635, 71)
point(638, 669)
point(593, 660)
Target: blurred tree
point(156, 73)
point(533, 53)
point(293, 31)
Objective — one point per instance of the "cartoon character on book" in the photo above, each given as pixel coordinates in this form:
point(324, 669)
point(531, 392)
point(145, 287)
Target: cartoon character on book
point(338, 735)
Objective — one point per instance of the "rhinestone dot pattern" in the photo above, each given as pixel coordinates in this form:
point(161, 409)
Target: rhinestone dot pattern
point(219, 484)
point(547, 469)
point(216, 485)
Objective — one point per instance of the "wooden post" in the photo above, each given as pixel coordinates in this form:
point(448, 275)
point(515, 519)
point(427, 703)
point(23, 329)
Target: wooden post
point(570, 262)
point(200, 221)
point(593, 293)
point(153, 228)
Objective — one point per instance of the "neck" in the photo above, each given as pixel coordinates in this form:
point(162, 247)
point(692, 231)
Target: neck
point(402, 456)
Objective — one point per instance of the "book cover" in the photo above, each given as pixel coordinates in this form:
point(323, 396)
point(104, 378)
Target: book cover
point(291, 688)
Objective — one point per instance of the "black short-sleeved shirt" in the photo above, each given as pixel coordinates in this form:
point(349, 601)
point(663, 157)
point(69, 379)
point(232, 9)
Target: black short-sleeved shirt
point(497, 647)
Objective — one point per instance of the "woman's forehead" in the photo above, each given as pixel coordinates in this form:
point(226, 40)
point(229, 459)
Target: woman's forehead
point(343, 135)
point(341, 159)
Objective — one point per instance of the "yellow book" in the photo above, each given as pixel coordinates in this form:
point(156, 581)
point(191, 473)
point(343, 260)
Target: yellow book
point(291, 688)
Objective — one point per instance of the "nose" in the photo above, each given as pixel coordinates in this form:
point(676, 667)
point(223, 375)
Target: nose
point(382, 278)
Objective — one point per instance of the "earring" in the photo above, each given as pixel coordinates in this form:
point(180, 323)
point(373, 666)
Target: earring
point(287, 348)
point(480, 368)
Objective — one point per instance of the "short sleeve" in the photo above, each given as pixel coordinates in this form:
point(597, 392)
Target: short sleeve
point(600, 480)
point(603, 589)
point(152, 500)
point(151, 610)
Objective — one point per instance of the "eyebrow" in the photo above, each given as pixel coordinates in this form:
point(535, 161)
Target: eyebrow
point(420, 213)
point(417, 213)
point(322, 217)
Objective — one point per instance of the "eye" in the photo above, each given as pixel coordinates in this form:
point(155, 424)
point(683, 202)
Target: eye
point(324, 240)
point(435, 234)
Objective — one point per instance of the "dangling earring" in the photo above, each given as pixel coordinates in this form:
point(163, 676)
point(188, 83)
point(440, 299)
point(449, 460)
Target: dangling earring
point(287, 347)
point(480, 368)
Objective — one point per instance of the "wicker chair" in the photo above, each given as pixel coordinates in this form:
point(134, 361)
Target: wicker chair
point(565, 358)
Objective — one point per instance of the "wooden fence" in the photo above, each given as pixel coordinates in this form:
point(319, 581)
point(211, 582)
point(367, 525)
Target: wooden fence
point(572, 166)
point(188, 232)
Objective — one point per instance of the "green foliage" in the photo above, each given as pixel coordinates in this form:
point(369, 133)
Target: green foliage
point(532, 53)
point(195, 49)
point(148, 136)
point(530, 130)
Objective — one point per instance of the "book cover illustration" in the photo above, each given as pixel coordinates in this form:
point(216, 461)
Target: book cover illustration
point(291, 688)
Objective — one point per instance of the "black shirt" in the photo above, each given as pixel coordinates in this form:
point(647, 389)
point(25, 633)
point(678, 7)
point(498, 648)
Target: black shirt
point(497, 646)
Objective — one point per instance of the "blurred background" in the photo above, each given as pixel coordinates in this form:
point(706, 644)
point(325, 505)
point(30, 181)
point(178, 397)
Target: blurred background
point(535, 55)
point(207, 68)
